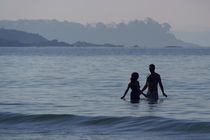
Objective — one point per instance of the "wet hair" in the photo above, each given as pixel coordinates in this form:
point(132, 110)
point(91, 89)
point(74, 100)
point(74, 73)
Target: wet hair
point(134, 76)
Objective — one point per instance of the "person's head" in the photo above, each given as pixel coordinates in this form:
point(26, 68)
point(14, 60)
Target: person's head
point(134, 76)
point(152, 68)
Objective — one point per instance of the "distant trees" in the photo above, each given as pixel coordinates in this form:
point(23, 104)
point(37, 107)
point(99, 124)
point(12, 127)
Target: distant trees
point(147, 33)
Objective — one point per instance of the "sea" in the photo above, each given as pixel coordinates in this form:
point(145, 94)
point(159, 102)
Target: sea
point(73, 93)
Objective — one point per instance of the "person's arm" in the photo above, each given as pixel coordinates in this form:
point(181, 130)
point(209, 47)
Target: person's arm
point(145, 86)
point(143, 93)
point(140, 91)
point(161, 87)
point(126, 91)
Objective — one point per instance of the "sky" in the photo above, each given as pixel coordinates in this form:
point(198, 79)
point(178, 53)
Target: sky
point(186, 17)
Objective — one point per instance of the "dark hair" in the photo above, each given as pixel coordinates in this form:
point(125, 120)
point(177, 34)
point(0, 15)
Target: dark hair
point(134, 76)
point(152, 66)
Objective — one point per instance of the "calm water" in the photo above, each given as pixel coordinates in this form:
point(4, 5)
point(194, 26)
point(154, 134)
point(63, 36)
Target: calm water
point(74, 93)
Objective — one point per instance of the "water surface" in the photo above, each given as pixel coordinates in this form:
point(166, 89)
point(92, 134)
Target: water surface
point(74, 93)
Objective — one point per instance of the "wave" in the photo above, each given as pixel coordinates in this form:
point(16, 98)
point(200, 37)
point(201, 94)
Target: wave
point(106, 124)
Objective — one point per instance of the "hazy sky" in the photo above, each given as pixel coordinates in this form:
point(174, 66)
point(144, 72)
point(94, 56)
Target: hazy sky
point(191, 15)
point(179, 13)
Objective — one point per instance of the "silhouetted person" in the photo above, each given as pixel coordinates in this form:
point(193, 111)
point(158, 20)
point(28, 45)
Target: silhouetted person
point(152, 82)
point(135, 87)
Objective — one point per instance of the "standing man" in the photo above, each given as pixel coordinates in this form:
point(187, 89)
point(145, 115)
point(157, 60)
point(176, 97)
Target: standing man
point(153, 79)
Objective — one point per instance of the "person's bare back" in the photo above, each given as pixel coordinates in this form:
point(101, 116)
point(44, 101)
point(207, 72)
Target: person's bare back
point(152, 82)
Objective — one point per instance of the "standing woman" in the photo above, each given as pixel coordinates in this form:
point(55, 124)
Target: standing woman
point(135, 88)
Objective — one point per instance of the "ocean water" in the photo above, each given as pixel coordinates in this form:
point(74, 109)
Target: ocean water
point(74, 93)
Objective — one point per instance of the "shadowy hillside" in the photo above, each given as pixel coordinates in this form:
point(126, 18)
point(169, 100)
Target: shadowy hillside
point(10, 37)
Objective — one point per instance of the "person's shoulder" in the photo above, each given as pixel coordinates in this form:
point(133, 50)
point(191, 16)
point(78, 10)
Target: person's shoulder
point(136, 84)
point(148, 75)
point(157, 74)
point(133, 83)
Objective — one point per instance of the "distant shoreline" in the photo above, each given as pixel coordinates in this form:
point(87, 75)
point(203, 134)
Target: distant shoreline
point(174, 47)
point(98, 47)
point(138, 33)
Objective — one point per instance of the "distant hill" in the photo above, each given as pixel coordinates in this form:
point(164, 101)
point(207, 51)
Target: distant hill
point(6, 42)
point(10, 37)
point(142, 33)
point(87, 44)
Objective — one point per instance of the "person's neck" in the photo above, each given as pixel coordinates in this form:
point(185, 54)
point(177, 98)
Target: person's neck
point(152, 72)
